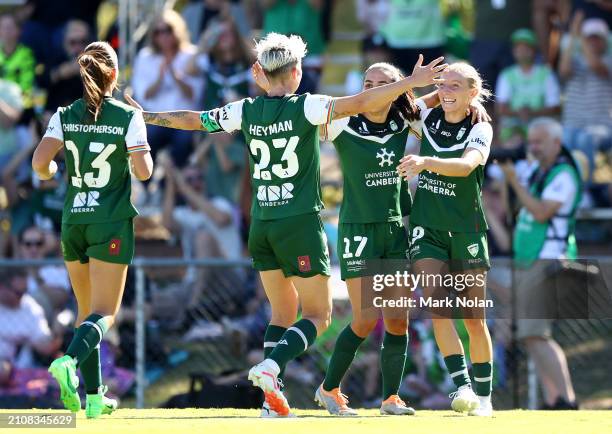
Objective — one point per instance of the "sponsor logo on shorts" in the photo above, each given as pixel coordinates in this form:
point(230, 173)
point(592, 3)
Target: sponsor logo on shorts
point(114, 247)
point(473, 249)
point(304, 263)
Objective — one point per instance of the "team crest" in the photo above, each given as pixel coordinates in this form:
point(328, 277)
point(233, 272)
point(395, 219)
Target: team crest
point(393, 126)
point(473, 249)
point(460, 133)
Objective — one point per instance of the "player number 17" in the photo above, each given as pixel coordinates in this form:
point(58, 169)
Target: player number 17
point(347, 246)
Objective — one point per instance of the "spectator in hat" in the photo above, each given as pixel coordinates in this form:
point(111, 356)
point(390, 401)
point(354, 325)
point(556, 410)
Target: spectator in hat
point(526, 89)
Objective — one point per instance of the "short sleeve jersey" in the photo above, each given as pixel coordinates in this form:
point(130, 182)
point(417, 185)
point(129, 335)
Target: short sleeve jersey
point(451, 203)
point(282, 136)
point(369, 154)
point(97, 159)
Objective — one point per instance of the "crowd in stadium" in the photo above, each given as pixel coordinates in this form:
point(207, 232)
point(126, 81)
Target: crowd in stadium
point(539, 57)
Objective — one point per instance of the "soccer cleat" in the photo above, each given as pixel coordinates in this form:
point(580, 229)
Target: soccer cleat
point(484, 409)
point(268, 413)
point(394, 405)
point(335, 402)
point(464, 399)
point(263, 375)
point(97, 404)
point(64, 372)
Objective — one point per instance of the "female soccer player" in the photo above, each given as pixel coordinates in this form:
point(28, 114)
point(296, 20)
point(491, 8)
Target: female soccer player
point(370, 146)
point(286, 238)
point(448, 226)
point(103, 138)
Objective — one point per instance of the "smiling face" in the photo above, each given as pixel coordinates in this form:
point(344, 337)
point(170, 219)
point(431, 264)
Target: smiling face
point(455, 92)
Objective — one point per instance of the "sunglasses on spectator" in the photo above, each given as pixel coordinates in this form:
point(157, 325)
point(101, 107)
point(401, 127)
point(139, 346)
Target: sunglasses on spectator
point(165, 30)
point(33, 243)
point(75, 42)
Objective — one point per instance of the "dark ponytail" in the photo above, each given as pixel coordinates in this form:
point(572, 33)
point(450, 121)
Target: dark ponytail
point(405, 105)
point(97, 63)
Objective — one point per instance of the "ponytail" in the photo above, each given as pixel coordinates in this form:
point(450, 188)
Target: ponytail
point(97, 63)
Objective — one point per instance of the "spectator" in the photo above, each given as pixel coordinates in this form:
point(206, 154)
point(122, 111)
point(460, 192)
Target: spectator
point(224, 155)
point(414, 27)
point(224, 60)
point(373, 14)
point(62, 79)
point(198, 15)
point(11, 107)
point(17, 62)
point(160, 81)
point(525, 90)
point(495, 21)
point(303, 18)
point(48, 285)
point(545, 230)
point(587, 75)
point(207, 223)
point(23, 321)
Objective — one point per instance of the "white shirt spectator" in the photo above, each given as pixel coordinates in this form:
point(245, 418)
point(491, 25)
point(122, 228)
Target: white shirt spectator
point(169, 97)
point(25, 325)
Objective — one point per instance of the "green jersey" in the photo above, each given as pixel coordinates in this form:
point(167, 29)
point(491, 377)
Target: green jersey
point(97, 159)
point(451, 203)
point(282, 137)
point(369, 154)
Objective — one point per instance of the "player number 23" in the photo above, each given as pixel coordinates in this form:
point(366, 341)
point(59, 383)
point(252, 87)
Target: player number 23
point(99, 163)
point(289, 161)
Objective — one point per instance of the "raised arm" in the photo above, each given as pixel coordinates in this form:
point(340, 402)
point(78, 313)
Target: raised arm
point(377, 98)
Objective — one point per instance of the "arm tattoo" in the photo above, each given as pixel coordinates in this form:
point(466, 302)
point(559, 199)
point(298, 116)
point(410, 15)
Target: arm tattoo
point(175, 119)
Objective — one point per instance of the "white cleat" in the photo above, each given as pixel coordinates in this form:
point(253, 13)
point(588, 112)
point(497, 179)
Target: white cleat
point(464, 399)
point(264, 376)
point(395, 406)
point(335, 402)
point(484, 409)
point(268, 413)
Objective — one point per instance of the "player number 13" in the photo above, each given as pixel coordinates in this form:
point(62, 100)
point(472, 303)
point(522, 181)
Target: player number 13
point(100, 163)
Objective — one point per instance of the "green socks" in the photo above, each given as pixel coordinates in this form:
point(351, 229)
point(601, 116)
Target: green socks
point(294, 342)
point(344, 353)
point(483, 377)
point(457, 369)
point(87, 337)
point(273, 334)
point(392, 361)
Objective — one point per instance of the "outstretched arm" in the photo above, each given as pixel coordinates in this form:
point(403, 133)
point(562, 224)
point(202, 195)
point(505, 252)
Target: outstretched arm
point(377, 98)
point(179, 119)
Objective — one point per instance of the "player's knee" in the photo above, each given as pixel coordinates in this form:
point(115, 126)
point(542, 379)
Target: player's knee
point(283, 318)
point(363, 327)
point(396, 326)
point(475, 327)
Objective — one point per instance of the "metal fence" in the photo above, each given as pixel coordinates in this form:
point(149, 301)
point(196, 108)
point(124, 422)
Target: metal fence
point(191, 343)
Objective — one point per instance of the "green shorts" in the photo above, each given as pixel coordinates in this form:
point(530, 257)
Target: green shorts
point(108, 242)
point(297, 245)
point(358, 242)
point(460, 250)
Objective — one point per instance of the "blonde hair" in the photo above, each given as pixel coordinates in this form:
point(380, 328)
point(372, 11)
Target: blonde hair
point(277, 53)
point(96, 64)
point(177, 24)
point(473, 78)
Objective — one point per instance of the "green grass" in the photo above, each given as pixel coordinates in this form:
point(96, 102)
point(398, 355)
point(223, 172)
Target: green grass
point(229, 421)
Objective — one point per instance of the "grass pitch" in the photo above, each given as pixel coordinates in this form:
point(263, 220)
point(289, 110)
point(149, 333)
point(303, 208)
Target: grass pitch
point(230, 421)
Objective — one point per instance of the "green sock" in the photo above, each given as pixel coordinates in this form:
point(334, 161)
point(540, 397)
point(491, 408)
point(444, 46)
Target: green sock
point(457, 369)
point(294, 342)
point(273, 334)
point(91, 371)
point(87, 337)
point(483, 377)
point(344, 353)
point(392, 361)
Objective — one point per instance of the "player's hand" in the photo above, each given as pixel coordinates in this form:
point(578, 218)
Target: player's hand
point(131, 101)
point(423, 76)
point(260, 77)
point(410, 165)
point(478, 112)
